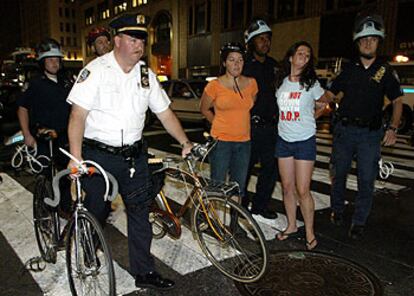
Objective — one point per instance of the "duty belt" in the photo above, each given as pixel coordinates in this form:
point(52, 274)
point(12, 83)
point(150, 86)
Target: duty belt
point(258, 121)
point(126, 150)
point(372, 124)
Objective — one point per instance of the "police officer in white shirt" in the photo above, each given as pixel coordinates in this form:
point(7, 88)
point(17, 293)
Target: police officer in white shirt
point(109, 101)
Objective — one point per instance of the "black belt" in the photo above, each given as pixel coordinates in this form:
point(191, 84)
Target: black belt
point(258, 121)
point(372, 124)
point(126, 150)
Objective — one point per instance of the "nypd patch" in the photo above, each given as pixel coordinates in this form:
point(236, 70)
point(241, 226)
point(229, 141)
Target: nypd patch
point(83, 76)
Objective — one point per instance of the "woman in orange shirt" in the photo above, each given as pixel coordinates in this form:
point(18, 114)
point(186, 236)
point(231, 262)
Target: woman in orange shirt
point(226, 104)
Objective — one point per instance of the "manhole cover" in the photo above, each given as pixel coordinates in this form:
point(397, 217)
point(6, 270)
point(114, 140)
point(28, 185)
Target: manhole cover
point(313, 274)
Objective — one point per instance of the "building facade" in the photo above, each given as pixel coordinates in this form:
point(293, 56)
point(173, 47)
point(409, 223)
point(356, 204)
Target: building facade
point(185, 36)
point(57, 19)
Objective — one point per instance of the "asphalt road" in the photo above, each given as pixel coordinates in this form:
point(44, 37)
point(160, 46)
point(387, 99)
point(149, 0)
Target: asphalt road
point(385, 251)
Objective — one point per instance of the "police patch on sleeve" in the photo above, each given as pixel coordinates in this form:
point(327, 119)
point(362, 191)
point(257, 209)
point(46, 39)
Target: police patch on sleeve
point(83, 76)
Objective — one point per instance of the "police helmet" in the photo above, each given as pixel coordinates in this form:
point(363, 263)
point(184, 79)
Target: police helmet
point(97, 32)
point(371, 25)
point(231, 47)
point(256, 28)
point(48, 48)
point(134, 25)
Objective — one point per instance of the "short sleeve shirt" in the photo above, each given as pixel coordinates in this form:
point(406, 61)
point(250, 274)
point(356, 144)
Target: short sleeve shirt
point(117, 101)
point(364, 89)
point(296, 110)
point(231, 111)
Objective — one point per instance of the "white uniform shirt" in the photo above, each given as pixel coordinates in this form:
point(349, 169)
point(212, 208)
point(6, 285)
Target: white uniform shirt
point(116, 101)
point(296, 110)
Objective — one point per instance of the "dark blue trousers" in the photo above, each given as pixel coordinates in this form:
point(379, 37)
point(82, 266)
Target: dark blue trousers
point(135, 194)
point(365, 146)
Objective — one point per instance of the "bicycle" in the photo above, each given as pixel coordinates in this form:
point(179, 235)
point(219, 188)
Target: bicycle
point(226, 233)
point(88, 258)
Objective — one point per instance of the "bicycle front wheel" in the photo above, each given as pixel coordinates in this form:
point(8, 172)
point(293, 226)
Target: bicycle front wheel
point(44, 218)
point(88, 258)
point(231, 239)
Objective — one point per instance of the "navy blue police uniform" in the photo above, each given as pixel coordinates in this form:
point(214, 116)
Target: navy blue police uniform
point(263, 130)
point(46, 102)
point(359, 130)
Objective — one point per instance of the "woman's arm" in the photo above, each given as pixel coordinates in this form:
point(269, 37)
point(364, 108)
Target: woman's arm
point(206, 104)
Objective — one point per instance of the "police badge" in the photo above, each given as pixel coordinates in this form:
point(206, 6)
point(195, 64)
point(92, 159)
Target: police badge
point(83, 76)
point(144, 77)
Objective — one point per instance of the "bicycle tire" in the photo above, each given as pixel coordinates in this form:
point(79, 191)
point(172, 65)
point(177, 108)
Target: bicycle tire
point(242, 253)
point(88, 258)
point(44, 218)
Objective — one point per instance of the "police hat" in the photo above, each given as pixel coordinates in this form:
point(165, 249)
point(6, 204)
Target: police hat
point(130, 24)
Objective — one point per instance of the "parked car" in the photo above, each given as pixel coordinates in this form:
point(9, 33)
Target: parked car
point(185, 98)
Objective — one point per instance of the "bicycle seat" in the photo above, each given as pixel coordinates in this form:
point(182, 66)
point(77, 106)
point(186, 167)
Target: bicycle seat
point(46, 134)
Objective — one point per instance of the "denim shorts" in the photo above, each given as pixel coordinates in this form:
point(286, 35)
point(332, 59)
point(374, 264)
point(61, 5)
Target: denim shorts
point(300, 150)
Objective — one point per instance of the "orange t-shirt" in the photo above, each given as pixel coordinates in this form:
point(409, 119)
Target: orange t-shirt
point(231, 112)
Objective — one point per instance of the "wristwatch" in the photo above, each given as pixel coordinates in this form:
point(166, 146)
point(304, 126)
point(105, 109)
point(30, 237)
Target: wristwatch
point(394, 129)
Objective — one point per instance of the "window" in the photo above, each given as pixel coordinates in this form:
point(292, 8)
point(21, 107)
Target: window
point(67, 12)
point(89, 18)
point(190, 21)
point(200, 16)
point(285, 8)
point(73, 13)
point(119, 6)
point(181, 90)
point(349, 3)
point(75, 42)
point(60, 11)
point(74, 28)
point(291, 8)
point(237, 13)
point(67, 27)
point(103, 10)
point(62, 41)
point(68, 41)
point(136, 3)
point(69, 55)
point(61, 27)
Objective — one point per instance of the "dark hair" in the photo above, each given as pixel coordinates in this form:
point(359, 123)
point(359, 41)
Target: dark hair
point(308, 75)
point(226, 50)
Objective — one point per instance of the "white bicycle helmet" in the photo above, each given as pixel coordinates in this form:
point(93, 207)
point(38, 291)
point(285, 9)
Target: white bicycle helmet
point(49, 48)
point(256, 28)
point(369, 26)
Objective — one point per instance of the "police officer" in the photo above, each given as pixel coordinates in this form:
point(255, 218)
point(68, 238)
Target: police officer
point(99, 39)
point(263, 116)
point(109, 102)
point(43, 106)
point(358, 131)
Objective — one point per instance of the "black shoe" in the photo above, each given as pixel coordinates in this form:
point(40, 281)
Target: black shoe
point(153, 280)
point(356, 232)
point(337, 219)
point(265, 213)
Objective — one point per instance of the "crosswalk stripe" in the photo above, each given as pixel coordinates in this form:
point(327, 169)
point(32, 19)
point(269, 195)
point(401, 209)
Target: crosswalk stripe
point(16, 224)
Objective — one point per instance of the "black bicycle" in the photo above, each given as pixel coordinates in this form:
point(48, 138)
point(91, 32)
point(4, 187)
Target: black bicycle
point(88, 257)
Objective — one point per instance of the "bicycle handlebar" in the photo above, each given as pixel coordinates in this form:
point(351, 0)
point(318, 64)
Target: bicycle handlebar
point(53, 202)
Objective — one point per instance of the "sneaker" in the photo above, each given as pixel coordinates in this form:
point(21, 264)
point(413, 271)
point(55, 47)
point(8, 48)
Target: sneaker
point(356, 232)
point(337, 219)
point(153, 280)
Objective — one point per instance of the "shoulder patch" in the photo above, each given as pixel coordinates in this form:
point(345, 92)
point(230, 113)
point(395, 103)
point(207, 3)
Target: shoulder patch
point(83, 76)
point(144, 77)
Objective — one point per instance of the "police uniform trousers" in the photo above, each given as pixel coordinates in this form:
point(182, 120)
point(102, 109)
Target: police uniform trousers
point(135, 193)
point(60, 162)
point(263, 143)
point(364, 145)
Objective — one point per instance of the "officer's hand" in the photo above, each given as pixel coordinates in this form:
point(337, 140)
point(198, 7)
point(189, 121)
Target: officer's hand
point(30, 141)
point(390, 138)
point(186, 149)
point(72, 165)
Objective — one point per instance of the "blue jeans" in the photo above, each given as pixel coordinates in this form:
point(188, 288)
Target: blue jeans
point(365, 145)
point(232, 158)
